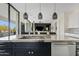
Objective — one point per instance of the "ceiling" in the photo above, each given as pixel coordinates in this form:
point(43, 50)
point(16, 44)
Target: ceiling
point(64, 6)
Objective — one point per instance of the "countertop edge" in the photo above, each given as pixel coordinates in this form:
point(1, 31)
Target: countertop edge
point(39, 41)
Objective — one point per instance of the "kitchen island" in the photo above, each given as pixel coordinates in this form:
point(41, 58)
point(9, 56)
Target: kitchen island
point(37, 45)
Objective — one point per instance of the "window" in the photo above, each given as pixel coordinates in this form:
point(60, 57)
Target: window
point(13, 23)
point(4, 22)
point(9, 22)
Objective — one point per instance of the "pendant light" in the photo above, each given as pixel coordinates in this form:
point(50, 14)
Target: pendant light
point(54, 16)
point(25, 15)
point(40, 16)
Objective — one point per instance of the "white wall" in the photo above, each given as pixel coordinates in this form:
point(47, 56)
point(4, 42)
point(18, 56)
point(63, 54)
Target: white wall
point(74, 20)
point(72, 17)
point(4, 10)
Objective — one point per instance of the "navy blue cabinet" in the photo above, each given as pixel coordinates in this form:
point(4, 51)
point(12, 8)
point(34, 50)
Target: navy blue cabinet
point(5, 48)
point(25, 49)
point(32, 49)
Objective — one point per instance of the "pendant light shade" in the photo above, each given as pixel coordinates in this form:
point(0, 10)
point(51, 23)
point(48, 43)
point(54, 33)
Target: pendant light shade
point(25, 15)
point(54, 16)
point(40, 16)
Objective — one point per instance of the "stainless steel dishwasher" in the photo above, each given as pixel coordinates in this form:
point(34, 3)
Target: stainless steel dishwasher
point(63, 49)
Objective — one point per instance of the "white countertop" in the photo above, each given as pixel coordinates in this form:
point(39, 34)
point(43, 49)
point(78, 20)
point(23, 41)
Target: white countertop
point(52, 39)
point(39, 40)
point(32, 40)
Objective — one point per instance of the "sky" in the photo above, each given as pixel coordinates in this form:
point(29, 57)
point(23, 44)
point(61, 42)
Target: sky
point(3, 22)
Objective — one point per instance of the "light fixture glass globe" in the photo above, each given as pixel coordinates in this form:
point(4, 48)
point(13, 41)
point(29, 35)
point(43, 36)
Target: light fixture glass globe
point(25, 15)
point(54, 15)
point(40, 16)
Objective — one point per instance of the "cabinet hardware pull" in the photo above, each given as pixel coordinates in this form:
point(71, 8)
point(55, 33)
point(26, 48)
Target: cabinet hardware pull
point(2, 45)
point(4, 53)
point(2, 50)
point(29, 52)
point(32, 52)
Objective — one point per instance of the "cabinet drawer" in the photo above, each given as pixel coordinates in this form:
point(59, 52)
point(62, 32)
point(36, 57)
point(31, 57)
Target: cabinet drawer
point(5, 54)
point(31, 44)
point(6, 49)
point(5, 44)
point(24, 44)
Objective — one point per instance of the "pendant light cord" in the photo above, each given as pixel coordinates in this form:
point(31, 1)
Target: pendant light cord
point(25, 7)
point(40, 7)
point(55, 7)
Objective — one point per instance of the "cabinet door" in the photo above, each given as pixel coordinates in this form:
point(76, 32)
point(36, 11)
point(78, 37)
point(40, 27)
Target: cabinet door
point(45, 51)
point(40, 51)
point(32, 49)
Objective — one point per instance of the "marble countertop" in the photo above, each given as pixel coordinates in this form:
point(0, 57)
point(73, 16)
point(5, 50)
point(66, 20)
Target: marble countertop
point(40, 40)
point(53, 38)
point(46, 40)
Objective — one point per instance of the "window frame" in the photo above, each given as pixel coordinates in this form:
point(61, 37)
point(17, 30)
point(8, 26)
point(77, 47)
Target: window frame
point(9, 17)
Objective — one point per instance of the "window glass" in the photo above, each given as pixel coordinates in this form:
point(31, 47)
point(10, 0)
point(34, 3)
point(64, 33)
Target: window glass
point(4, 22)
point(13, 23)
